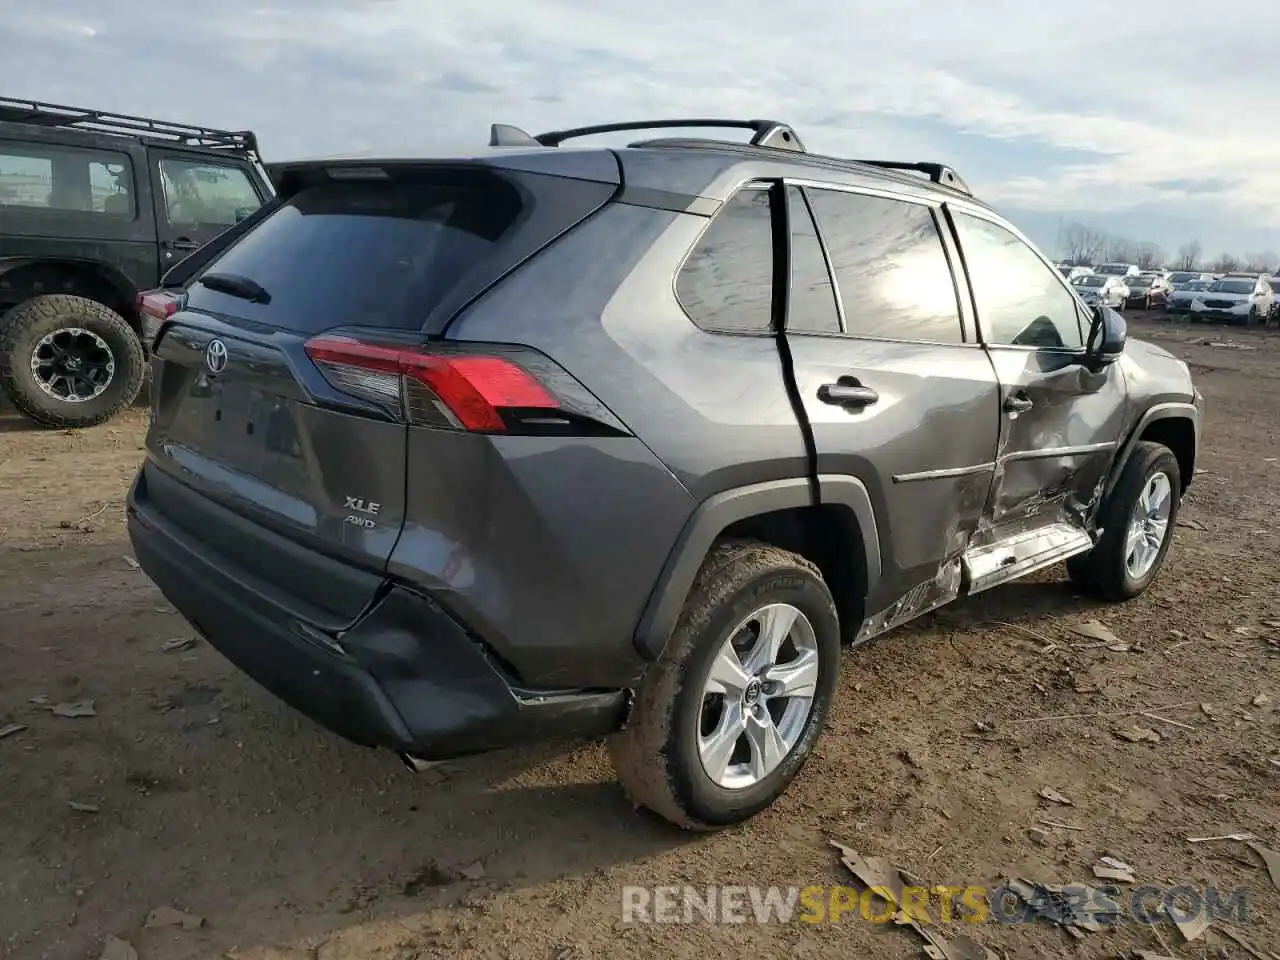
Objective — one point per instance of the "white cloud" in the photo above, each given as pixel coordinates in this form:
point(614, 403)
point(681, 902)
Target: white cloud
point(1153, 94)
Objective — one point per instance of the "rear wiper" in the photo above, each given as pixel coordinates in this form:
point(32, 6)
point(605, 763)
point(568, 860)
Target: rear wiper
point(236, 286)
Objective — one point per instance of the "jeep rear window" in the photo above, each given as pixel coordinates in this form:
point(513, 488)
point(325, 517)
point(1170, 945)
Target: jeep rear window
point(364, 253)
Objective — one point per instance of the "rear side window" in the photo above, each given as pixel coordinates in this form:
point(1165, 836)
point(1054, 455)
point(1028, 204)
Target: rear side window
point(889, 263)
point(66, 180)
point(363, 253)
point(726, 283)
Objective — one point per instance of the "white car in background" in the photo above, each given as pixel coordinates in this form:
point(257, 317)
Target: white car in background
point(1070, 272)
point(1184, 292)
point(1117, 269)
point(1093, 288)
point(1238, 300)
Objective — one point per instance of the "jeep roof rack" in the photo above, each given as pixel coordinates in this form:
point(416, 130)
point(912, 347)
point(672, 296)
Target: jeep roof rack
point(766, 133)
point(119, 124)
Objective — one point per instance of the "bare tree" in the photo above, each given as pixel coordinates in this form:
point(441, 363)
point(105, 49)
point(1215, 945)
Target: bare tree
point(1264, 262)
point(1082, 244)
point(1227, 263)
point(1120, 250)
point(1188, 255)
point(1148, 256)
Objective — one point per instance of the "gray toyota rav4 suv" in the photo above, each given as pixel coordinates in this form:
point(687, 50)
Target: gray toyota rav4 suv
point(453, 454)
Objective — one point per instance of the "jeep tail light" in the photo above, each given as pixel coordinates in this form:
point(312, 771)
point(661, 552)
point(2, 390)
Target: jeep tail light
point(477, 388)
point(160, 304)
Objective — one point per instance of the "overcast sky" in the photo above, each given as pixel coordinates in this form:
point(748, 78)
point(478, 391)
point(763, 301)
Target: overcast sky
point(1147, 119)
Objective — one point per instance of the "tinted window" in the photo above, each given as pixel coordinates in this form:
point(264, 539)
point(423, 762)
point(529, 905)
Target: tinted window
point(890, 266)
point(727, 282)
point(813, 301)
point(206, 194)
point(66, 179)
point(363, 253)
point(1020, 300)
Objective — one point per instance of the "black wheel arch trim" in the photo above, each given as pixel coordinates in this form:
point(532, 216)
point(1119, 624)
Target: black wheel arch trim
point(108, 273)
point(1178, 410)
point(715, 514)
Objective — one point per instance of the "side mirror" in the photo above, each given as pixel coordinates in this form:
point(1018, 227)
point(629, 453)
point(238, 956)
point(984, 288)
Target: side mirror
point(1107, 335)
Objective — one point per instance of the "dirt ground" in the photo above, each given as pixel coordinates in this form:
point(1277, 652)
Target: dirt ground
point(196, 789)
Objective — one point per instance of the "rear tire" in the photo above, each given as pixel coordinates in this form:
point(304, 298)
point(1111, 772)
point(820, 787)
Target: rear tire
point(1111, 570)
point(68, 361)
point(666, 757)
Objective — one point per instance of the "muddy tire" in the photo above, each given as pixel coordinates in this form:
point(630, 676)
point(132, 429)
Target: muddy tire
point(1138, 521)
point(68, 361)
point(757, 649)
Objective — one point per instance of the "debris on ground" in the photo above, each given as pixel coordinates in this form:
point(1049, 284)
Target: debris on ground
point(1191, 927)
point(178, 643)
point(1261, 700)
point(40, 700)
point(1077, 908)
point(1137, 734)
point(878, 874)
point(133, 564)
point(1271, 859)
point(1225, 836)
point(11, 729)
point(473, 871)
point(79, 807)
point(173, 917)
point(1190, 524)
point(1053, 796)
point(1109, 868)
point(1096, 630)
point(81, 708)
point(1244, 944)
point(113, 948)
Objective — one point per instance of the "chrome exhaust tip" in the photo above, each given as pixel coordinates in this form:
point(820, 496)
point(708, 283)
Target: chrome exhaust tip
point(417, 764)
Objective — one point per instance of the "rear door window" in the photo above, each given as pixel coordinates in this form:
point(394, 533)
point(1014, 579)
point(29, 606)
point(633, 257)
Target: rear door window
point(363, 253)
point(66, 180)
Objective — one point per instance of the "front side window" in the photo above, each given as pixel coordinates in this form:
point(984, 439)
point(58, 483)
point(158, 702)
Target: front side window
point(66, 180)
point(726, 284)
point(1020, 300)
point(198, 193)
point(890, 266)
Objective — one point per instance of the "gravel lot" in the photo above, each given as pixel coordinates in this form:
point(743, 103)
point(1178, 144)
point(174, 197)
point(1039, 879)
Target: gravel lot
point(195, 789)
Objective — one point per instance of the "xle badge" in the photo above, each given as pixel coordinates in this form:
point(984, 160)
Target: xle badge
point(365, 511)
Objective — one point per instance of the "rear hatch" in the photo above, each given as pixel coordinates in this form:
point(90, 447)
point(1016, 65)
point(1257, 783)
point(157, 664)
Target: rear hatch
point(282, 393)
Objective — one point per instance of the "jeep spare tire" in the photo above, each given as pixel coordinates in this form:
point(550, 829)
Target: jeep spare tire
point(68, 361)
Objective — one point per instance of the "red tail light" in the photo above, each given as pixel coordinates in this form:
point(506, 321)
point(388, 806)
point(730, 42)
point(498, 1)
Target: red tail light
point(469, 391)
point(160, 304)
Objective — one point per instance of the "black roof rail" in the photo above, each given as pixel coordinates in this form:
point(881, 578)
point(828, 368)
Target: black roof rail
point(765, 133)
point(120, 124)
point(937, 172)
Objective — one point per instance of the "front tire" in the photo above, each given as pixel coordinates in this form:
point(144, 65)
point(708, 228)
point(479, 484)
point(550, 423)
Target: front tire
point(69, 361)
point(1137, 521)
point(727, 716)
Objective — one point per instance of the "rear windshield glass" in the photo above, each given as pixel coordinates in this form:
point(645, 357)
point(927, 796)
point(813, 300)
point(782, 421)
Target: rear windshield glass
point(362, 253)
point(1139, 281)
point(1089, 281)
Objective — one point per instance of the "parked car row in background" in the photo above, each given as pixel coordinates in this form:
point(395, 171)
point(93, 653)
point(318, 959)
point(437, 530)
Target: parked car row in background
point(1241, 298)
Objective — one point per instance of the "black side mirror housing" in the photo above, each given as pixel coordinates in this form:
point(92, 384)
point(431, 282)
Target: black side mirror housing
point(1107, 335)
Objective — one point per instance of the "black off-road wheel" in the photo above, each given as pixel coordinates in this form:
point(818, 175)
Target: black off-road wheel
point(1137, 521)
point(68, 361)
point(728, 715)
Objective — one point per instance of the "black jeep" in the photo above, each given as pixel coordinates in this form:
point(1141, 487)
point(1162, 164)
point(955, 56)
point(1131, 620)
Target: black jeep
point(94, 207)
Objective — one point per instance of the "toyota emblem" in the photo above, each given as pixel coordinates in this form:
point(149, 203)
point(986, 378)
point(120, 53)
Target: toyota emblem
point(215, 356)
